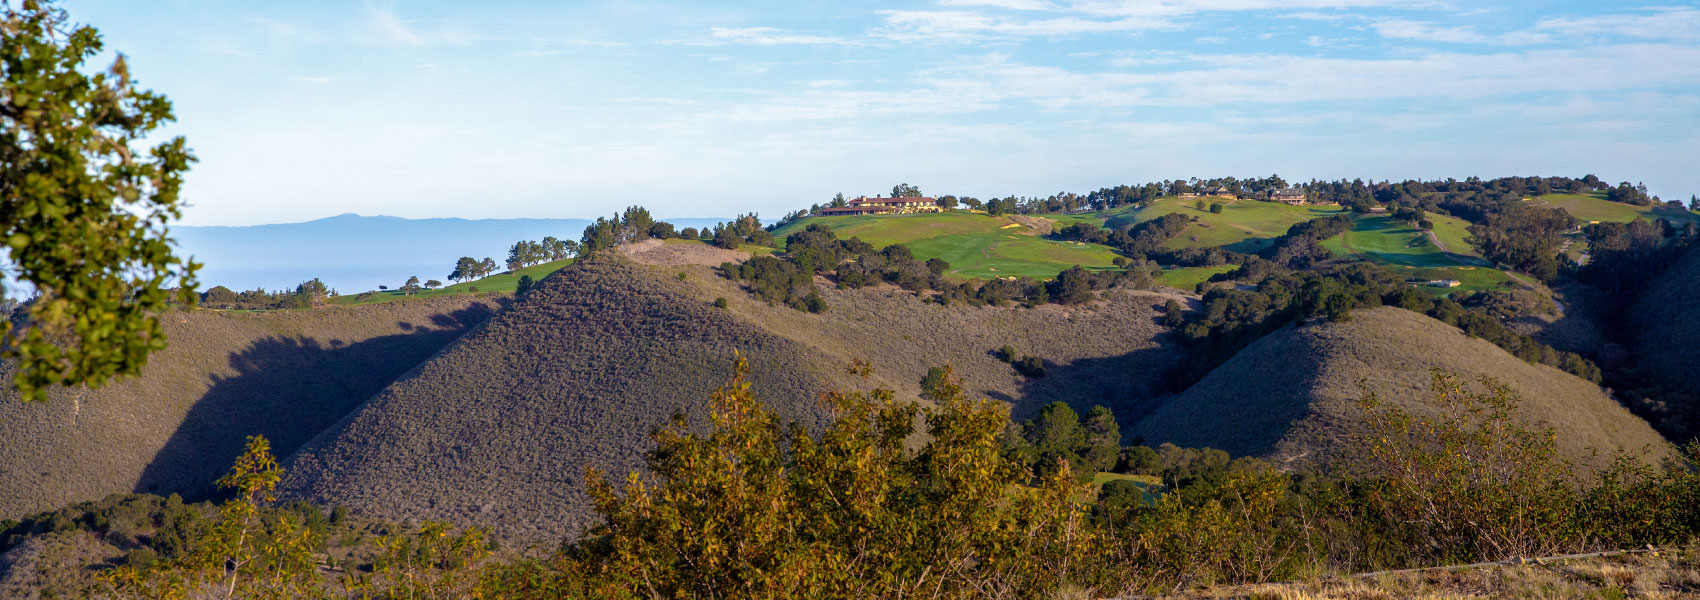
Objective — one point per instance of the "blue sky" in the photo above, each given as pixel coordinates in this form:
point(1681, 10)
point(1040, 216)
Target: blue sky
point(300, 110)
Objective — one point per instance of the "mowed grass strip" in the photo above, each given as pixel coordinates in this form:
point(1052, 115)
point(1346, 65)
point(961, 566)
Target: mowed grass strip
point(506, 281)
point(1004, 254)
point(977, 246)
point(1243, 225)
point(1187, 278)
point(1382, 240)
point(885, 230)
point(1593, 206)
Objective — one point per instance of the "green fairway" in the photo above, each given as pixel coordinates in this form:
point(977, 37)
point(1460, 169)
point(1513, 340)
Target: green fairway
point(1384, 241)
point(1471, 279)
point(985, 255)
point(885, 230)
point(1594, 207)
point(1243, 225)
point(1188, 278)
point(975, 245)
point(502, 282)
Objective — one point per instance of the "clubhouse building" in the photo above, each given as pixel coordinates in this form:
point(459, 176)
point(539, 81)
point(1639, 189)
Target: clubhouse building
point(885, 206)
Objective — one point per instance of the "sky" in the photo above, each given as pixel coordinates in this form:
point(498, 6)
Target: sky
point(307, 109)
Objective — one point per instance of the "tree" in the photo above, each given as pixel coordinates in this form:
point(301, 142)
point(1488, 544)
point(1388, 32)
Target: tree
point(1694, 203)
point(904, 190)
point(524, 286)
point(725, 237)
point(601, 235)
point(465, 268)
point(218, 296)
point(635, 224)
point(411, 287)
point(932, 385)
point(433, 284)
point(1216, 208)
point(312, 291)
point(838, 201)
point(486, 267)
point(83, 208)
point(1072, 286)
point(973, 203)
point(947, 202)
point(1103, 440)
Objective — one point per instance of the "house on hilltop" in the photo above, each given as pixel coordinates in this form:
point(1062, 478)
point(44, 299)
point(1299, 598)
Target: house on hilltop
point(1222, 192)
point(885, 206)
point(1293, 196)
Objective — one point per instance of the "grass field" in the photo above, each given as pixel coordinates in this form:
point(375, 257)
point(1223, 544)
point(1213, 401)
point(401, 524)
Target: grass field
point(1382, 240)
point(1243, 225)
point(1595, 207)
point(1188, 278)
point(501, 282)
point(975, 245)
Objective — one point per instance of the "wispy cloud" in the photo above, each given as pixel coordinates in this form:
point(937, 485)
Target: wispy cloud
point(1009, 4)
point(1669, 23)
point(770, 36)
point(1405, 29)
point(958, 26)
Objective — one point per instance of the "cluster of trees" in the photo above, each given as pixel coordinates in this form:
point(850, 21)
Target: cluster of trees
point(1526, 238)
point(1029, 366)
point(1232, 318)
point(746, 229)
point(468, 268)
point(633, 224)
point(308, 294)
point(816, 250)
point(745, 505)
point(1301, 247)
point(525, 253)
point(1057, 436)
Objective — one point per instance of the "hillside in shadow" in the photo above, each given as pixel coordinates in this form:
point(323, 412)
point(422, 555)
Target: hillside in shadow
point(222, 377)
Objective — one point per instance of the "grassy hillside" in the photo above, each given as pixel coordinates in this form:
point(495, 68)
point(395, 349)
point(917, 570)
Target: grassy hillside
point(224, 376)
point(1292, 396)
point(498, 429)
point(975, 245)
point(1595, 207)
point(505, 281)
point(1243, 225)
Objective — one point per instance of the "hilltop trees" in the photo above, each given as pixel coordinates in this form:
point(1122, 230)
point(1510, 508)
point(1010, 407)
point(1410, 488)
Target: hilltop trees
point(742, 230)
point(633, 224)
point(83, 207)
point(904, 190)
point(411, 287)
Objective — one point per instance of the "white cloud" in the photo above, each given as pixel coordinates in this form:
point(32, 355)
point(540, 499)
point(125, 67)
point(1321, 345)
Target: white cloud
point(769, 36)
point(1674, 23)
point(1404, 29)
point(944, 25)
point(1009, 4)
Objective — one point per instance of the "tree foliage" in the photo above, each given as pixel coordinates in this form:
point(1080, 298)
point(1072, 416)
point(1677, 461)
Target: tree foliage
point(83, 208)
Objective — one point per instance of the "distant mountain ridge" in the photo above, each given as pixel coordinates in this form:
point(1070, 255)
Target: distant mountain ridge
point(354, 253)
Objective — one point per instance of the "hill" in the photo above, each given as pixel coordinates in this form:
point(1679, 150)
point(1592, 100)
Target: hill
point(1594, 207)
point(1292, 395)
point(499, 428)
point(1667, 324)
point(223, 376)
point(354, 253)
point(976, 245)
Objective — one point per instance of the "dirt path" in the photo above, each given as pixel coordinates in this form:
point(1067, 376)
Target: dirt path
point(1435, 239)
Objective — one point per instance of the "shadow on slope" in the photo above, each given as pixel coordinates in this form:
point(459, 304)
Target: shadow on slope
point(1292, 396)
point(499, 428)
point(222, 376)
point(269, 396)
